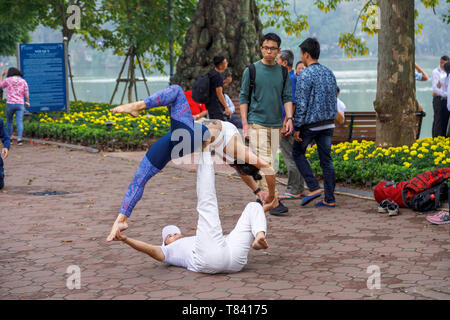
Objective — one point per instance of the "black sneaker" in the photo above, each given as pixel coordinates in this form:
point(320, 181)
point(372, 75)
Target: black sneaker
point(281, 210)
point(19, 142)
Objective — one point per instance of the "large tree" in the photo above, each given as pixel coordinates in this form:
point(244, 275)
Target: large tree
point(220, 28)
point(395, 102)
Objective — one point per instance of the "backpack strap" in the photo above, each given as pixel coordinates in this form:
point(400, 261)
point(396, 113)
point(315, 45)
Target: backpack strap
point(252, 70)
point(285, 74)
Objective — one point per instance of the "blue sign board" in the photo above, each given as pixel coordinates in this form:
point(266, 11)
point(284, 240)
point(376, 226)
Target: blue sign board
point(44, 68)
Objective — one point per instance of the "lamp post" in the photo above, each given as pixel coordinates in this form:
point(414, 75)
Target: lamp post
point(170, 41)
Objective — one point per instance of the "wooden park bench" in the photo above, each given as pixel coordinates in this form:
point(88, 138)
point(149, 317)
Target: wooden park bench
point(361, 125)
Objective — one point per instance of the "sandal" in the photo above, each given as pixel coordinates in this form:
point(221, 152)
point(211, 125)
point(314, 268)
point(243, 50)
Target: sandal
point(290, 196)
point(322, 204)
point(308, 199)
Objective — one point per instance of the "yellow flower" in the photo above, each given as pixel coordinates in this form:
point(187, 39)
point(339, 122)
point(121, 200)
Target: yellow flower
point(414, 153)
point(407, 164)
point(420, 156)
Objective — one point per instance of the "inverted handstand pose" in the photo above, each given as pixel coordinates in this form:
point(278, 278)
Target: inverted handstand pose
point(223, 137)
point(209, 251)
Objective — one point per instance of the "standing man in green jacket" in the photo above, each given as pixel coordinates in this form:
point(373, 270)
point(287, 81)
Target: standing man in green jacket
point(261, 107)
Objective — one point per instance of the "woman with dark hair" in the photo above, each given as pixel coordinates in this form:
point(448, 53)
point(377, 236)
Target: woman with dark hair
point(17, 91)
point(221, 136)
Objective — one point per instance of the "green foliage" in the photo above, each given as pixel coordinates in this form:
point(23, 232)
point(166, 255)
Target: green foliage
point(144, 25)
point(363, 163)
point(12, 33)
point(279, 15)
point(352, 45)
point(86, 124)
point(446, 17)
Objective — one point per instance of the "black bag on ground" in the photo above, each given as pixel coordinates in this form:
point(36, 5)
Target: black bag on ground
point(430, 199)
point(200, 89)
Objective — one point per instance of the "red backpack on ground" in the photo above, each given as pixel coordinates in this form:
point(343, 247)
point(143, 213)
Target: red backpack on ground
point(424, 181)
point(409, 194)
point(390, 191)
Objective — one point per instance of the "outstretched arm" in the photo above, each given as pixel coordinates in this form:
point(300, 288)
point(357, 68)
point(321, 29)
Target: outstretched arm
point(153, 251)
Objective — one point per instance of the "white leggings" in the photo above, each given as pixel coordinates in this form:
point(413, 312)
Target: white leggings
point(214, 252)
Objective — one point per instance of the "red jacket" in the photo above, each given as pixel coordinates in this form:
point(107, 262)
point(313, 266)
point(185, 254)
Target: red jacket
point(196, 108)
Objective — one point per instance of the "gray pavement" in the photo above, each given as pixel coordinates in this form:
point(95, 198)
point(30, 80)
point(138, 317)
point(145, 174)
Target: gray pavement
point(313, 254)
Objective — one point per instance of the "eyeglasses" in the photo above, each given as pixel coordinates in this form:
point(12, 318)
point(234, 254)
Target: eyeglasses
point(269, 48)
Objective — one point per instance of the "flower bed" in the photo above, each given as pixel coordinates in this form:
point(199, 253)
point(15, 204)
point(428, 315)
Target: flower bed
point(92, 124)
point(364, 163)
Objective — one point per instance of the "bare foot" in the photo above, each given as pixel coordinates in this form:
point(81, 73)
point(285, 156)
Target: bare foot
point(260, 241)
point(131, 108)
point(116, 228)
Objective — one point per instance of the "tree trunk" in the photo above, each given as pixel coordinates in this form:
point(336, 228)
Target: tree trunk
point(228, 28)
point(395, 101)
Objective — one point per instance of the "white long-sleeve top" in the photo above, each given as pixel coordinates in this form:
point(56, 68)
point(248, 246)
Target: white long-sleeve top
point(448, 92)
point(438, 75)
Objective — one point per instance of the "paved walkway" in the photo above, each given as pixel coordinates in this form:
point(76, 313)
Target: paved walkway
point(314, 253)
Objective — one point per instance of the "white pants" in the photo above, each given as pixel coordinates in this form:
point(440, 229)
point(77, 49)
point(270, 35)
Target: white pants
point(213, 252)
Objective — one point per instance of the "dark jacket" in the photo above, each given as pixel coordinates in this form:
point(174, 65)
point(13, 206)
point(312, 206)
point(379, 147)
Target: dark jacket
point(4, 136)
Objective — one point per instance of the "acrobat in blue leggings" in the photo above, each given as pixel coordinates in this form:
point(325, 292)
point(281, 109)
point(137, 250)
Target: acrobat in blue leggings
point(160, 153)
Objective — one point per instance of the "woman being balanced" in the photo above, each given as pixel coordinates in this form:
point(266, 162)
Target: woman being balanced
point(223, 138)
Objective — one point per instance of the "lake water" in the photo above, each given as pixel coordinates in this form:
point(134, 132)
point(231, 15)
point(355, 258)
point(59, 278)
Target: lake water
point(356, 78)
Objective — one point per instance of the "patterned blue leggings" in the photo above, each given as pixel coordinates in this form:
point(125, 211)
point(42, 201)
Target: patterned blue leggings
point(160, 153)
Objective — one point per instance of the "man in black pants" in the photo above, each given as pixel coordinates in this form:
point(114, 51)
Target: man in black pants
point(217, 106)
point(441, 114)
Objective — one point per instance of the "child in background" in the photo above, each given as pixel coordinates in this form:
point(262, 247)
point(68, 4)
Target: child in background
point(4, 154)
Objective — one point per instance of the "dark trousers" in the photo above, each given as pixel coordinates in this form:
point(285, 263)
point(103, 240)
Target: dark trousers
point(441, 117)
point(2, 174)
point(323, 140)
point(234, 119)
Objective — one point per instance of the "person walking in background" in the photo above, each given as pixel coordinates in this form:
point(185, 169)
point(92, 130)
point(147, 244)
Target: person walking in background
point(265, 86)
point(17, 91)
point(296, 183)
point(217, 105)
point(4, 153)
point(440, 120)
point(314, 118)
